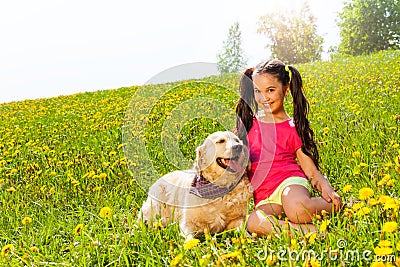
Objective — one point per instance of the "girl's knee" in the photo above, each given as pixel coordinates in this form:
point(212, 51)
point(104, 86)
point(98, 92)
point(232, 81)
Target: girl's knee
point(260, 223)
point(252, 223)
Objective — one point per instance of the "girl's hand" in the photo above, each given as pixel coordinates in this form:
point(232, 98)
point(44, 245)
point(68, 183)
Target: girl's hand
point(329, 194)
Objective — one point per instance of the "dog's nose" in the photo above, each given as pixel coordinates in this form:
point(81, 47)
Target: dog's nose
point(237, 148)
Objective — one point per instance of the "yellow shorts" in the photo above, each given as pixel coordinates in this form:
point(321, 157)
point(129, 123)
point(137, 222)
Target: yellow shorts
point(276, 196)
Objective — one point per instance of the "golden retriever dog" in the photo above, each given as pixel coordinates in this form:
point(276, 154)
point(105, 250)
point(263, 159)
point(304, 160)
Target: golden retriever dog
point(213, 195)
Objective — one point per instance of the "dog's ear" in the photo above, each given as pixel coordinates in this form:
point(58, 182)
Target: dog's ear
point(200, 162)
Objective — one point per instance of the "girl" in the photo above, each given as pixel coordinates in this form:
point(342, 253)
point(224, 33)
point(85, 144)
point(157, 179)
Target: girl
point(283, 154)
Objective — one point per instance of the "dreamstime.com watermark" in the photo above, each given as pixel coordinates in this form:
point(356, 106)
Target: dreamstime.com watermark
point(339, 254)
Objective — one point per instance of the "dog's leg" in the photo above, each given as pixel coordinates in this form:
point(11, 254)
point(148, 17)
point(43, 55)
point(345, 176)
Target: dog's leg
point(185, 230)
point(186, 233)
point(188, 237)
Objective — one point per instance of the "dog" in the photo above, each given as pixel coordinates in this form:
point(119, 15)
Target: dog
point(212, 196)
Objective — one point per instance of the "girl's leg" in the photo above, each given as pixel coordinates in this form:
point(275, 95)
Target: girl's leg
point(300, 207)
point(263, 221)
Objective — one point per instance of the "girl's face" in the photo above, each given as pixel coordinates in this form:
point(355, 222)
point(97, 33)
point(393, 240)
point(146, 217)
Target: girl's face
point(269, 93)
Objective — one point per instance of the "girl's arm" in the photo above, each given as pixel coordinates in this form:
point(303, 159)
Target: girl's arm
point(317, 180)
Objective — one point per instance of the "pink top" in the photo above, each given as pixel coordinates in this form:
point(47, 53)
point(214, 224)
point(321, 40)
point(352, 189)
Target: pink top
point(273, 149)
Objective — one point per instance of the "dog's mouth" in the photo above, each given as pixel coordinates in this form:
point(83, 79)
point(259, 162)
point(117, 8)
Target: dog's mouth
point(230, 164)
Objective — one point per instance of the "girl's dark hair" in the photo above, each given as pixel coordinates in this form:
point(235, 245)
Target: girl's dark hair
point(247, 105)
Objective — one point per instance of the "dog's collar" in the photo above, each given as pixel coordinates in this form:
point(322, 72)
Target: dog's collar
point(203, 188)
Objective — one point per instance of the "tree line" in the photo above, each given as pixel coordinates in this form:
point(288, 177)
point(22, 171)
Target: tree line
point(366, 26)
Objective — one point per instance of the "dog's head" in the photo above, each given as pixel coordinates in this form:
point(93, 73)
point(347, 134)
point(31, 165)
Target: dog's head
point(222, 158)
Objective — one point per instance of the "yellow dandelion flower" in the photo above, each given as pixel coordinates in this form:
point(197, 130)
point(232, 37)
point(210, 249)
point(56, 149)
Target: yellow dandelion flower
point(11, 189)
point(326, 130)
point(102, 175)
point(377, 264)
point(390, 204)
point(348, 212)
point(357, 154)
point(26, 220)
point(318, 217)
point(384, 180)
point(373, 202)
point(157, 225)
point(191, 244)
point(383, 199)
point(347, 188)
point(271, 260)
point(293, 244)
point(390, 182)
point(51, 191)
point(78, 229)
point(231, 255)
point(202, 261)
point(398, 245)
point(324, 213)
point(106, 212)
point(388, 164)
point(175, 261)
point(34, 249)
point(397, 262)
point(365, 193)
point(315, 263)
point(363, 211)
point(311, 237)
point(389, 227)
point(384, 243)
point(358, 206)
point(7, 249)
point(383, 251)
point(324, 225)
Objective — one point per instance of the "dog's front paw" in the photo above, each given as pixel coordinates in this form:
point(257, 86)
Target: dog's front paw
point(188, 237)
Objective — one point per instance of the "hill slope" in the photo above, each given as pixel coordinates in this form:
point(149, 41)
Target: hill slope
point(62, 160)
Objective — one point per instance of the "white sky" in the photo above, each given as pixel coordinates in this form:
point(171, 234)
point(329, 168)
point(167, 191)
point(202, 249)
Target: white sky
point(57, 47)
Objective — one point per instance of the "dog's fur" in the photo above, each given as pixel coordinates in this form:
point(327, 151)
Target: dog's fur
point(169, 198)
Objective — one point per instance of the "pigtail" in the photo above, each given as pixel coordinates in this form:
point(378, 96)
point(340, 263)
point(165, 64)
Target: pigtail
point(245, 105)
point(301, 109)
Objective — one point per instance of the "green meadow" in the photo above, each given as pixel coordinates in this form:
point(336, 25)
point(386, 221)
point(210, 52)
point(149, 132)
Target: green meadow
point(74, 171)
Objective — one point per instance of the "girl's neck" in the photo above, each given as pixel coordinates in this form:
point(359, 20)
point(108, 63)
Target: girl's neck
point(272, 118)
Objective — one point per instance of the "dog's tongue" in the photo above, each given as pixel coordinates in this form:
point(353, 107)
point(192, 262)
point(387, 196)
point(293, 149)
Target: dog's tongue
point(234, 165)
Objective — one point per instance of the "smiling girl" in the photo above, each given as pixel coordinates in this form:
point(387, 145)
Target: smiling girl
point(284, 157)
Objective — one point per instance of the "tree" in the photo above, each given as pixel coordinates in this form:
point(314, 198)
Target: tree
point(232, 58)
point(368, 26)
point(292, 35)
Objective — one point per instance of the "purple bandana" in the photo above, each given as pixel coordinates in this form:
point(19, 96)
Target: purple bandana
point(203, 188)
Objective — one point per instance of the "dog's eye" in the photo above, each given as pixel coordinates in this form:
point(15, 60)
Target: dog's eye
point(221, 141)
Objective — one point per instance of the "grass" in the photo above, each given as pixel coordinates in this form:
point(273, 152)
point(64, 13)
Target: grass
point(74, 171)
